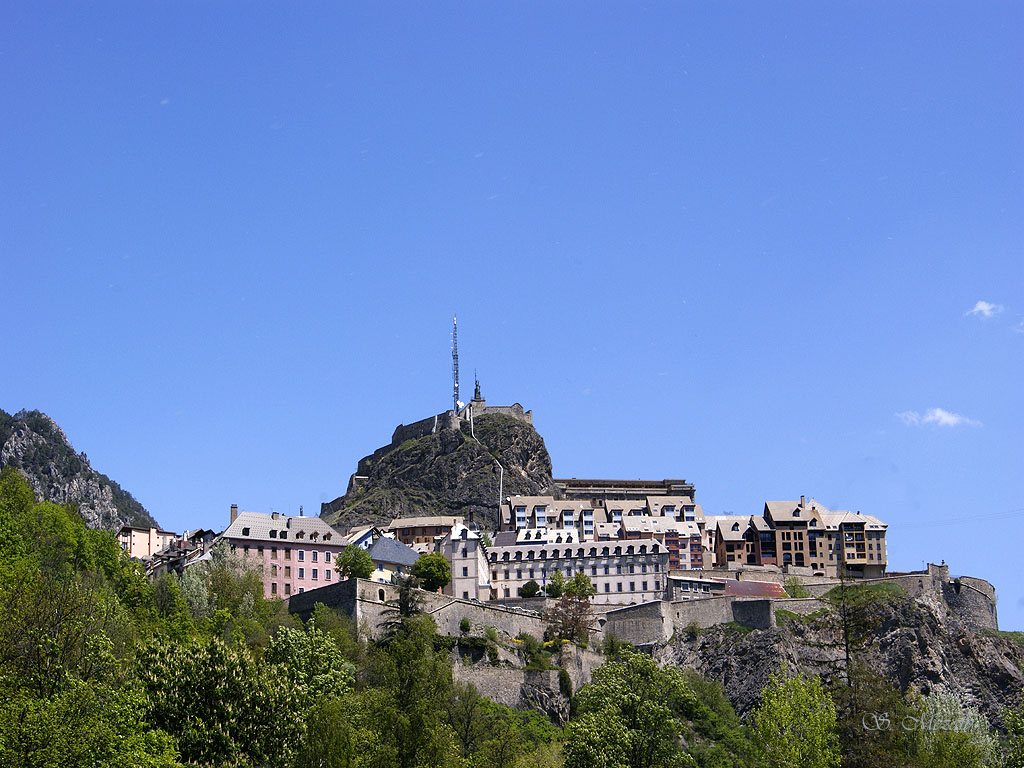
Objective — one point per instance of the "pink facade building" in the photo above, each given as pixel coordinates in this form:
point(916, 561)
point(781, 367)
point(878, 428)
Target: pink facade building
point(295, 554)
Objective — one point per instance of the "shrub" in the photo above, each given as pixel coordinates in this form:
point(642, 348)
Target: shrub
point(464, 625)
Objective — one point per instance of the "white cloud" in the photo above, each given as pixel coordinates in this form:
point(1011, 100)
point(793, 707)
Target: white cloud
point(938, 416)
point(985, 309)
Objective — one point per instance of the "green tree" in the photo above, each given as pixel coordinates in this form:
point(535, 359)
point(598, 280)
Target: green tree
point(529, 589)
point(220, 703)
point(1014, 720)
point(796, 588)
point(569, 618)
point(580, 586)
point(410, 679)
point(795, 725)
point(354, 563)
point(556, 584)
point(629, 716)
point(952, 735)
point(433, 570)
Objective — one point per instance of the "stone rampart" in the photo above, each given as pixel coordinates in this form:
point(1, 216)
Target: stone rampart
point(518, 688)
point(640, 624)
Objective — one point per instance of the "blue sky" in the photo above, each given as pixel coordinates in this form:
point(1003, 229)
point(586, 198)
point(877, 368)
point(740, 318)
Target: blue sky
point(739, 244)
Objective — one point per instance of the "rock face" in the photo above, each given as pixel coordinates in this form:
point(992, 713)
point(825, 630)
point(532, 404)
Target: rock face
point(917, 643)
point(32, 443)
point(433, 468)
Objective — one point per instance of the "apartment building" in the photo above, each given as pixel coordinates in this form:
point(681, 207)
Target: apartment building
point(622, 572)
point(294, 554)
point(390, 559)
point(682, 540)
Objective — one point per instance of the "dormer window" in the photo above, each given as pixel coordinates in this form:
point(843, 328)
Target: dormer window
point(273, 534)
point(284, 534)
point(245, 532)
point(796, 512)
point(327, 536)
point(814, 523)
point(735, 526)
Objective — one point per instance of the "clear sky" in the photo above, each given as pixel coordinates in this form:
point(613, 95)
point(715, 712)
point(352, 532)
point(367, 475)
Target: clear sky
point(776, 249)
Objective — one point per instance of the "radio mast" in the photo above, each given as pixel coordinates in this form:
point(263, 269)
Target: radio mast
point(455, 361)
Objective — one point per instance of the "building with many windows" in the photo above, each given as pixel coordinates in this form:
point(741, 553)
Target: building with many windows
point(623, 572)
point(294, 554)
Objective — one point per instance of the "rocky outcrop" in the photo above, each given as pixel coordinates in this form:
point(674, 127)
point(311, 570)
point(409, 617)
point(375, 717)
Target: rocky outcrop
point(445, 471)
point(917, 643)
point(37, 447)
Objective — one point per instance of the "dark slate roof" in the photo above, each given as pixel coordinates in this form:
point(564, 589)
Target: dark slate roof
point(385, 550)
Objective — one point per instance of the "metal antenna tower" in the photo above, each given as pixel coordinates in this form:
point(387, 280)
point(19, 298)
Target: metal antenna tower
point(455, 361)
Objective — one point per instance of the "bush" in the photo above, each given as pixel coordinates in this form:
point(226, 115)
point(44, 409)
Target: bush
point(565, 683)
point(529, 589)
point(464, 625)
point(492, 654)
point(795, 588)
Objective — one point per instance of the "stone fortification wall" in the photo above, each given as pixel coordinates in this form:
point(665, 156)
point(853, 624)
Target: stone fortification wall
point(639, 624)
point(658, 621)
point(367, 603)
point(973, 600)
point(518, 688)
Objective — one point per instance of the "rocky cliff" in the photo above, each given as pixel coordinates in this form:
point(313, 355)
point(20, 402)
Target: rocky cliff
point(917, 643)
point(428, 471)
point(37, 447)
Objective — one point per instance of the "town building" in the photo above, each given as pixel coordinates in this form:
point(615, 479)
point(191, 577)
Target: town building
point(293, 553)
point(391, 559)
point(421, 532)
point(622, 572)
point(143, 543)
point(464, 550)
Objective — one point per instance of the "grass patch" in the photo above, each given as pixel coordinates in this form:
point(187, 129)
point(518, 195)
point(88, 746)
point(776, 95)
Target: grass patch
point(863, 595)
point(1013, 637)
point(782, 616)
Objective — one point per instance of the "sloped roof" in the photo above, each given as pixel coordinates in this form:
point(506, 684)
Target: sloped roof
point(390, 551)
point(260, 525)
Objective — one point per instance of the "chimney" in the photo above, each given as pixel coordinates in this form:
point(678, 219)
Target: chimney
point(275, 515)
point(801, 501)
point(234, 512)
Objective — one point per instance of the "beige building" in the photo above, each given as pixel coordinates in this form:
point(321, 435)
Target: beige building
point(143, 543)
point(464, 550)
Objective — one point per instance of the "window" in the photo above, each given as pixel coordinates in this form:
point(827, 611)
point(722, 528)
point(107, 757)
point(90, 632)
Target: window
point(245, 531)
point(273, 589)
point(301, 590)
point(315, 553)
point(315, 574)
point(259, 550)
point(302, 573)
point(632, 586)
point(643, 586)
point(273, 570)
point(643, 568)
point(465, 572)
point(465, 595)
point(302, 555)
point(606, 570)
point(657, 586)
point(465, 552)
point(287, 554)
point(273, 534)
point(631, 567)
point(593, 570)
point(287, 589)
point(245, 549)
point(327, 557)
point(506, 575)
point(519, 573)
point(327, 574)
point(618, 587)
point(657, 567)
point(273, 553)
point(607, 587)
